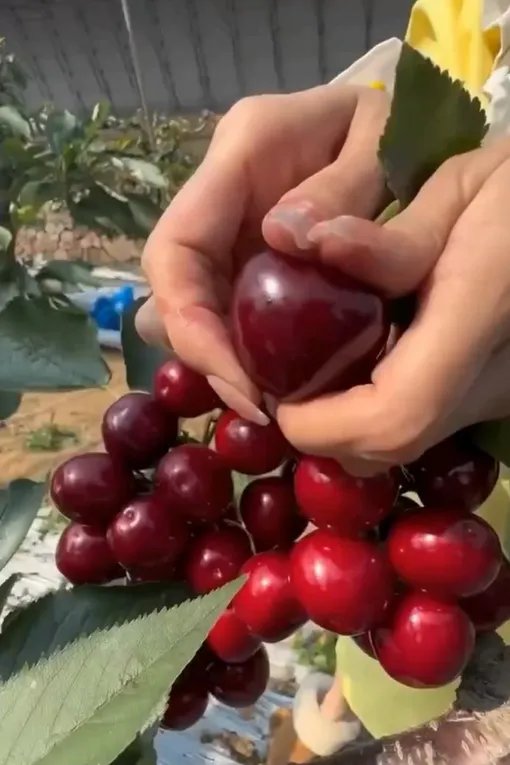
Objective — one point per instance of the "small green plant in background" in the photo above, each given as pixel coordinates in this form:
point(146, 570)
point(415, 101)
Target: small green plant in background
point(50, 438)
point(316, 650)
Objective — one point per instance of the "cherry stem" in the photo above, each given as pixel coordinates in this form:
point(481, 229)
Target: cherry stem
point(389, 212)
point(210, 429)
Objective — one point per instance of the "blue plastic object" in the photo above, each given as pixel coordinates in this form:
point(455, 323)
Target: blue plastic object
point(108, 309)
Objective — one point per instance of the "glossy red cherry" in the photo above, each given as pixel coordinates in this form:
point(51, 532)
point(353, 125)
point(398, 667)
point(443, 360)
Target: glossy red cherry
point(138, 431)
point(193, 480)
point(83, 556)
point(242, 684)
point(454, 474)
point(301, 328)
point(267, 603)
point(215, 557)
point(491, 608)
point(230, 639)
point(331, 498)
point(183, 391)
point(249, 448)
point(91, 488)
point(147, 532)
point(447, 552)
point(187, 704)
point(270, 513)
point(344, 584)
point(426, 642)
point(158, 572)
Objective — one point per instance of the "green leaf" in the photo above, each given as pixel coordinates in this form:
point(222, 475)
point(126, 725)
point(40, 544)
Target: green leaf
point(61, 129)
point(6, 589)
point(140, 752)
point(35, 194)
point(84, 704)
point(45, 347)
point(141, 360)
point(142, 171)
point(145, 212)
point(11, 119)
point(20, 502)
point(432, 119)
point(494, 438)
point(9, 403)
point(105, 211)
point(5, 239)
point(68, 272)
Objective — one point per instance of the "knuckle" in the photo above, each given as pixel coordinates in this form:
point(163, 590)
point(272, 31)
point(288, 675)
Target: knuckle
point(245, 112)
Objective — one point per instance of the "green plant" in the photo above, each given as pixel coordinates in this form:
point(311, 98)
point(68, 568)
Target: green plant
point(50, 438)
point(316, 650)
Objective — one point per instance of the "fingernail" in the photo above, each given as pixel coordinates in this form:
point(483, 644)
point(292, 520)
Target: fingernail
point(297, 220)
point(343, 227)
point(237, 401)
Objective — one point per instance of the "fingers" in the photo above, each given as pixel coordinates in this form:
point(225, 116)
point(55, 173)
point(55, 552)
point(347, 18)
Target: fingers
point(149, 324)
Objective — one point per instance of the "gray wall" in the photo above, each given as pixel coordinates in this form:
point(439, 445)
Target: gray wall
point(195, 54)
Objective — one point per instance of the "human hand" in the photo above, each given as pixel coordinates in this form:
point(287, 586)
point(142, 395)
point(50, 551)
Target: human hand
point(451, 367)
point(277, 165)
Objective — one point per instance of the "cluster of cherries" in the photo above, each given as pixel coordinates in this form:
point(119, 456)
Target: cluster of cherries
point(412, 583)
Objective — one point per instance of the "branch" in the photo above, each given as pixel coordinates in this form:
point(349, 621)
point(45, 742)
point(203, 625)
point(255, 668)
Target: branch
point(475, 732)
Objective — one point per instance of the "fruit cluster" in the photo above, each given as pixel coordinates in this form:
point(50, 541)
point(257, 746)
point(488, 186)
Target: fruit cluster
point(410, 581)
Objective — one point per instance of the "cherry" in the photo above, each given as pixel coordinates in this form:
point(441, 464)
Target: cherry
point(138, 431)
point(344, 584)
point(270, 513)
point(186, 704)
point(300, 328)
point(158, 572)
point(215, 557)
point(401, 506)
point(91, 488)
point(194, 480)
point(331, 498)
point(455, 473)
point(84, 557)
point(249, 448)
point(241, 684)
point(147, 533)
point(266, 603)
point(426, 642)
point(447, 552)
point(183, 391)
point(491, 609)
point(230, 639)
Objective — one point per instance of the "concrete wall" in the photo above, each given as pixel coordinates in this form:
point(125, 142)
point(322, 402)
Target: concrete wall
point(195, 54)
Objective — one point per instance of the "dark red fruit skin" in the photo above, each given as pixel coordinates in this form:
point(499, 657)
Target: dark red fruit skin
point(454, 474)
point(183, 391)
point(331, 498)
point(402, 505)
point(240, 685)
point(267, 603)
point(83, 556)
point(159, 572)
point(301, 328)
point(215, 557)
point(270, 513)
point(138, 431)
point(491, 608)
point(186, 705)
point(345, 585)
point(426, 642)
point(91, 488)
point(249, 448)
point(364, 642)
point(230, 639)
point(147, 533)
point(446, 552)
point(194, 481)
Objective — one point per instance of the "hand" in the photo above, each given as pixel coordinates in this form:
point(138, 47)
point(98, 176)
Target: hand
point(277, 165)
point(451, 367)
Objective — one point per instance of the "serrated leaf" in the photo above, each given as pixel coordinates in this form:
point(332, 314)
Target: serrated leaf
point(432, 119)
point(9, 403)
point(83, 705)
point(19, 504)
point(45, 347)
point(59, 618)
point(11, 119)
point(494, 438)
point(141, 360)
point(6, 589)
point(68, 272)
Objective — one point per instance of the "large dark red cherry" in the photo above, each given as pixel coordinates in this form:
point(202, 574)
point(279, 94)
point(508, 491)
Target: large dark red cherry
point(84, 557)
point(215, 557)
point(300, 328)
point(270, 513)
point(447, 552)
point(344, 584)
point(249, 448)
point(147, 532)
point(183, 391)
point(230, 639)
point(138, 431)
point(426, 642)
point(159, 572)
point(454, 474)
point(187, 703)
point(91, 488)
point(194, 480)
point(266, 603)
point(402, 505)
point(241, 684)
point(491, 608)
point(331, 498)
